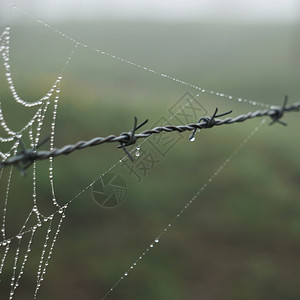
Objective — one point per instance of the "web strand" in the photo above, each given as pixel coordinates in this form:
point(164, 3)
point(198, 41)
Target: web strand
point(184, 208)
point(140, 67)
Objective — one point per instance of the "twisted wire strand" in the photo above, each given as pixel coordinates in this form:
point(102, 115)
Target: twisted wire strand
point(129, 138)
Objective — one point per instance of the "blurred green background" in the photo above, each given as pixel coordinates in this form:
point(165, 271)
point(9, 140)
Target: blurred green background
point(240, 239)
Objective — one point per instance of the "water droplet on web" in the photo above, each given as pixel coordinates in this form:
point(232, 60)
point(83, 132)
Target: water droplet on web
point(156, 240)
point(151, 246)
point(137, 153)
point(192, 138)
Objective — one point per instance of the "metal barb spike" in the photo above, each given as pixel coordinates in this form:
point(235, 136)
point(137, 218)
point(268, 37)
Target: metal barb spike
point(130, 138)
point(278, 113)
point(210, 122)
point(28, 155)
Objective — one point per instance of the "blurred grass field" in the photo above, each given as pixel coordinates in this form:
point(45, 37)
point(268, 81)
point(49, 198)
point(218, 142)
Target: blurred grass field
point(240, 238)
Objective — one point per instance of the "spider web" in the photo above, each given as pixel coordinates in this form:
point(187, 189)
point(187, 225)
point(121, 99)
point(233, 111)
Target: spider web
point(20, 244)
point(31, 131)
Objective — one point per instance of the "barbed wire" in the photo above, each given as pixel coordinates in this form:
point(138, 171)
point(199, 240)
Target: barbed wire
point(26, 157)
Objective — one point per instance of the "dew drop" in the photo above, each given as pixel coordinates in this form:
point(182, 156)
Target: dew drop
point(156, 240)
point(192, 138)
point(151, 246)
point(137, 153)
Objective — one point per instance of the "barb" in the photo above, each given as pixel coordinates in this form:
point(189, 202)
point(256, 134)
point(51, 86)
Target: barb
point(129, 138)
point(279, 113)
point(29, 156)
point(210, 122)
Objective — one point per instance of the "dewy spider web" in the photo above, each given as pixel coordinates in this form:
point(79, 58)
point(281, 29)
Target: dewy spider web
point(38, 118)
point(33, 127)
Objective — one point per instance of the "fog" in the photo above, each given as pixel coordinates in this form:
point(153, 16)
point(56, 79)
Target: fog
point(178, 10)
